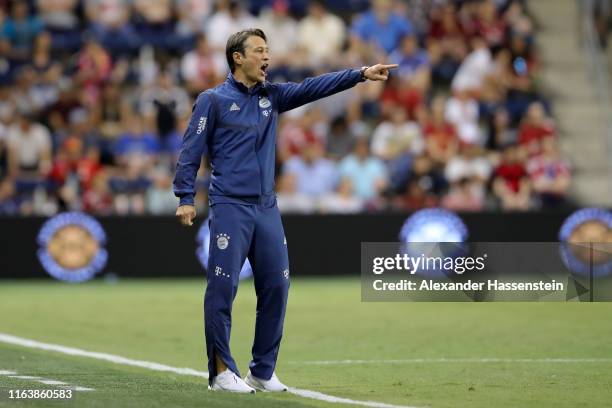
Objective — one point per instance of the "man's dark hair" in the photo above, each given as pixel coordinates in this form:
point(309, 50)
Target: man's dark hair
point(236, 44)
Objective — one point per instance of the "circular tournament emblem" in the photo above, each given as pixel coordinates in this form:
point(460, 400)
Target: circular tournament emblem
point(434, 232)
point(586, 238)
point(203, 249)
point(433, 225)
point(264, 102)
point(72, 247)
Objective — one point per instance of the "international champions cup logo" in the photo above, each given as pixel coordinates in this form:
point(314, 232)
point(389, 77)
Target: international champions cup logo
point(72, 247)
point(586, 242)
point(434, 233)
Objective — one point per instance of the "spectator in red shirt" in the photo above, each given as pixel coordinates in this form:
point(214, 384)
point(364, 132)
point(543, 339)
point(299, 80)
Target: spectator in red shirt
point(550, 174)
point(402, 93)
point(534, 128)
point(72, 172)
point(441, 141)
point(296, 134)
point(94, 68)
point(511, 183)
point(98, 198)
point(71, 160)
point(490, 25)
point(444, 26)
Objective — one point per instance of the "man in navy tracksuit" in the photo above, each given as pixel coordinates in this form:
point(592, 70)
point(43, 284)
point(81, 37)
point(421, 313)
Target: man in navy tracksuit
point(235, 125)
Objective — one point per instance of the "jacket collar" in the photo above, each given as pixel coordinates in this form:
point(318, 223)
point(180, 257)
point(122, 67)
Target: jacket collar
point(241, 87)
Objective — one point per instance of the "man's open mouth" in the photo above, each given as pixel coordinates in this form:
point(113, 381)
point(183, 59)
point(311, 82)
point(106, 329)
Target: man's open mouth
point(263, 69)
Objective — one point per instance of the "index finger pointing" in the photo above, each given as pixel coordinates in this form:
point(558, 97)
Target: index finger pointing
point(390, 66)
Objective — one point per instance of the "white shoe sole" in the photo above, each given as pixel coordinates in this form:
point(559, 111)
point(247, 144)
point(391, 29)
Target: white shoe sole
point(258, 386)
point(213, 388)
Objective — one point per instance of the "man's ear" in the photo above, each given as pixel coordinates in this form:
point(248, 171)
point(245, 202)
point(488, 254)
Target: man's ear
point(237, 56)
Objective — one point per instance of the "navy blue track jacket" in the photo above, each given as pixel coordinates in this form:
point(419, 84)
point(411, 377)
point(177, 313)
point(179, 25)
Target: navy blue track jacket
point(236, 127)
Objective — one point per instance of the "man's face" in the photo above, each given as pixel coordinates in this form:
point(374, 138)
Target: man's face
point(25, 123)
point(409, 45)
point(255, 60)
point(316, 10)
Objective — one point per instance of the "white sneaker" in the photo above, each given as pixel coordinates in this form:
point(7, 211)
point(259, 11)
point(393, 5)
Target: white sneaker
point(229, 381)
point(271, 385)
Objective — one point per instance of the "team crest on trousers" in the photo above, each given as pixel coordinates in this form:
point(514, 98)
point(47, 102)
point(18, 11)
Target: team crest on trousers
point(222, 241)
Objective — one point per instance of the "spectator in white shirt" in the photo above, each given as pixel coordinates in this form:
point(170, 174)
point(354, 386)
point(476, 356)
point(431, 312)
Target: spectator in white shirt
point(397, 136)
point(471, 164)
point(321, 34)
point(281, 31)
point(229, 18)
point(462, 112)
point(474, 68)
point(29, 149)
point(200, 68)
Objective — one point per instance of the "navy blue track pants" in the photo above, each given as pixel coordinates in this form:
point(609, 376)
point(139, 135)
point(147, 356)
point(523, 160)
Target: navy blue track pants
point(238, 231)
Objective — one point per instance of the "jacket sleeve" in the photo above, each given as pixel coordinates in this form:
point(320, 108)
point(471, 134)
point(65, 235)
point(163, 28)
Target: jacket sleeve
point(200, 128)
point(291, 95)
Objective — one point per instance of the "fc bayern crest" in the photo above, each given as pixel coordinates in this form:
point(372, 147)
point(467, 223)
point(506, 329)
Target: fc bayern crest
point(264, 102)
point(586, 242)
point(222, 242)
point(72, 247)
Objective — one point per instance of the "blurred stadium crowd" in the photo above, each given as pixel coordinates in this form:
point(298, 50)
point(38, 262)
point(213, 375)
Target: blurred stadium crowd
point(95, 96)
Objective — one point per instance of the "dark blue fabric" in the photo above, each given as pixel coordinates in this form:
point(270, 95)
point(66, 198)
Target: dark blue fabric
point(239, 231)
point(236, 128)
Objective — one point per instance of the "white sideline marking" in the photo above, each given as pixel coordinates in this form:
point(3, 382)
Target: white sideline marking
point(338, 400)
point(61, 384)
point(25, 377)
point(77, 388)
point(7, 338)
point(456, 360)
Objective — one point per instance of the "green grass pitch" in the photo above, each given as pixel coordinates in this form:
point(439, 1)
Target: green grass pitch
point(161, 321)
